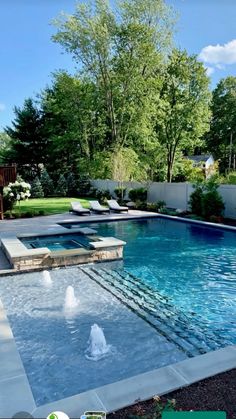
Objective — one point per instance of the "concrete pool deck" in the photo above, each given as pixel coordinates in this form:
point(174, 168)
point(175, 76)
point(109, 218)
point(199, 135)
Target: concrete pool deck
point(15, 392)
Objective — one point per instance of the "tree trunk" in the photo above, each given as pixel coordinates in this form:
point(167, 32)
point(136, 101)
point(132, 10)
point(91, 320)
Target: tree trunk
point(169, 171)
point(170, 160)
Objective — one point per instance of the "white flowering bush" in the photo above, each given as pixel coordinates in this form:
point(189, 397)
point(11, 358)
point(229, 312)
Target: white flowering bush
point(16, 192)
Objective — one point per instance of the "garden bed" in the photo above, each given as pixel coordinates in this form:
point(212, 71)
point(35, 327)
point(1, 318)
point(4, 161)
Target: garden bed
point(215, 393)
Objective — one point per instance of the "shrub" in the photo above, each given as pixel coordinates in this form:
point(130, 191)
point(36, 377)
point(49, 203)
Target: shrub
point(83, 186)
point(195, 200)
point(8, 202)
point(103, 196)
point(92, 192)
point(194, 217)
point(28, 214)
point(120, 192)
point(47, 184)
point(61, 189)
point(141, 205)
point(139, 194)
point(41, 212)
point(71, 184)
point(168, 211)
point(17, 191)
point(36, 189)
point(212, 204)
point(206, 201)
point(161, 204)
point(156, 207)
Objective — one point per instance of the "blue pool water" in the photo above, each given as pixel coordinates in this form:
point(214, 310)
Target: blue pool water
point(52, 342)
point(57, 242)
point(192, 265)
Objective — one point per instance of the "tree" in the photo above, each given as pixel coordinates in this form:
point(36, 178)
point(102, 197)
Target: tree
point(120, 53)
point(47, 183)
point(4, 147)
point(61, 189)
point(182, 115)
point(36, 189)
point(28, 145)
point(72, 185)
point(221, 137)
point(74, 122)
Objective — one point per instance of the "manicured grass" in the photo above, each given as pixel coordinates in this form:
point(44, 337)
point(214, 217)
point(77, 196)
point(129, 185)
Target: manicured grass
point(49, 205)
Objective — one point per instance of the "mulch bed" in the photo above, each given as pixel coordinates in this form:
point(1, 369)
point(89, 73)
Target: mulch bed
point(215, 393)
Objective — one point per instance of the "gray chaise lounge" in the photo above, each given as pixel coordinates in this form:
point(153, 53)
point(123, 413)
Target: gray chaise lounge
point(114, 206)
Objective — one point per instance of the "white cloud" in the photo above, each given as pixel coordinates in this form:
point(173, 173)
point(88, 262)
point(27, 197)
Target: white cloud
point(2, 107)
point(219, 55)
point(209, 70)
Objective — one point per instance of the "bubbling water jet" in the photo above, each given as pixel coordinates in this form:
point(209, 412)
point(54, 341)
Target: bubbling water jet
point(47, 280)
point(98, 347)
point(71, 302)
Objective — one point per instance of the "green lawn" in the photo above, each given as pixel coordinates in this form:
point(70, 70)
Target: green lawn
point(49, 205)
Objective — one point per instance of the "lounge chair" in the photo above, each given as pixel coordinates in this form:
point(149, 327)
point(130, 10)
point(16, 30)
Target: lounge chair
point(78, 208)
point(114, 206)
point(96, 207)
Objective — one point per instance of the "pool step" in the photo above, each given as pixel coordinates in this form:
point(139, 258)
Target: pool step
point(183, 323)
point(171, 320)
point(152, 309)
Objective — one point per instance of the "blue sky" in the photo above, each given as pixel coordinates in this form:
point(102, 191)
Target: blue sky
point(28, 56)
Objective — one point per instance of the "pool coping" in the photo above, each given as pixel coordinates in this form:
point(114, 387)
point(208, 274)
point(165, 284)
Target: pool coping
point(147, 216)
point(16, 394)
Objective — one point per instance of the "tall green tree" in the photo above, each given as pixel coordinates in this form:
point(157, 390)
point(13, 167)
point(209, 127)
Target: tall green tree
point(74, 122)
point(221, 139)
point(4, 148)
point(183, 113)
point(28, 144)
point(120, 53)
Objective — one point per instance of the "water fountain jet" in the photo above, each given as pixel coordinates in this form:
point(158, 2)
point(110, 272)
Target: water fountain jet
point(47, 280)
point(71, 302)
point(98, 347)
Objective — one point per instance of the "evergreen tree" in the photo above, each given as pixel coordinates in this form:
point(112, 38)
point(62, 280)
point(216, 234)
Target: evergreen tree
point(47, 183)
point(61, 189)
point(71, 185)
point(28, 145)
point(36, 189)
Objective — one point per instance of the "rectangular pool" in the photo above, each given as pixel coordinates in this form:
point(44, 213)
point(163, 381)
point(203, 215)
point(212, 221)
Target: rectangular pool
point(172, 298)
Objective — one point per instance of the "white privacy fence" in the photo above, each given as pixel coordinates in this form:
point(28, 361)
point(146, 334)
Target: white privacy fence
point(176, 195)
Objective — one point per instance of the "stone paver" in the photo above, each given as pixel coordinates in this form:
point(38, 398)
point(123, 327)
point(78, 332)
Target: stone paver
point(15, 396)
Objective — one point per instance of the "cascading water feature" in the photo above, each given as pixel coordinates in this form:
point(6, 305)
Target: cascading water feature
point(71, 302)
point(98, 347)
point(47, 280)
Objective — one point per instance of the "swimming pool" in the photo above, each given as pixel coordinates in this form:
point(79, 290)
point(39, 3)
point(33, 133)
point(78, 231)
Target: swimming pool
point(172, 298)
point(192, 265)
